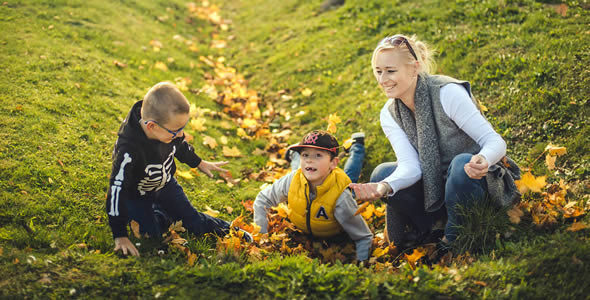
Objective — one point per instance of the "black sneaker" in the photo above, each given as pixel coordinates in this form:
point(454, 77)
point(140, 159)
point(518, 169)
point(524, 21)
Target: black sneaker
point(355, 138)
point(247, 237)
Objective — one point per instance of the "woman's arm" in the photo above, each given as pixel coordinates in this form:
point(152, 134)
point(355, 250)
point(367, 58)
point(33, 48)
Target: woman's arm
point(458, 106)
point(408, 169)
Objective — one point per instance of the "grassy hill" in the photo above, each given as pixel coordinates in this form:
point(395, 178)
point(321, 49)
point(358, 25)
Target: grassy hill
point(72, 69)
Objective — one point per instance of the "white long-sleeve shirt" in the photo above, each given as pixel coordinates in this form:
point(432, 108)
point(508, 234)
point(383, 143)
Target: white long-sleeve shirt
point(354, 226)
point(458, 106)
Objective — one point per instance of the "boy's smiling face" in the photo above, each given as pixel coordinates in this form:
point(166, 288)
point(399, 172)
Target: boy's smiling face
point(316, 165)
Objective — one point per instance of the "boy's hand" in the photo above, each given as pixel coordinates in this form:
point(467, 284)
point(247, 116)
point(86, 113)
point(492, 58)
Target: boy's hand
point(477, 167)
point(206, 167)
point(370, 191)
point(125, 245)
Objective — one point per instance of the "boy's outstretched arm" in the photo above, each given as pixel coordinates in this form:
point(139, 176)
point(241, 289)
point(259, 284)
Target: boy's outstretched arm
point(270, 197)
point(126, 246)
point(354, 226)
point(207, 166)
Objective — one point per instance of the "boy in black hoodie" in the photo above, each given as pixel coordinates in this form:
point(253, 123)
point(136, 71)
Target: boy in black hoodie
point(143, 168)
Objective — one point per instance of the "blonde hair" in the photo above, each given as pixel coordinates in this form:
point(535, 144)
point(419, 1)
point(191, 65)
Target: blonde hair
point(162, 101)
point(424, 54)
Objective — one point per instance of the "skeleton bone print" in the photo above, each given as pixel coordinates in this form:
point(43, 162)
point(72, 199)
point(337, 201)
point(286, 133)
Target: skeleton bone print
point(157, 175)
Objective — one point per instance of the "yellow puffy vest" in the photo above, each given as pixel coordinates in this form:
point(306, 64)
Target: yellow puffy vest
point(321, 220)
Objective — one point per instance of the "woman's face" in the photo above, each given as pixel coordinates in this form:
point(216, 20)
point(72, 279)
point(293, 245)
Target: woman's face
point(394, 75)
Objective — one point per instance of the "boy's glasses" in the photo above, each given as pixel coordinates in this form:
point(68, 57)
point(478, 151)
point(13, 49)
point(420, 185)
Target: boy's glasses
point(174, 133)
point(397, 40)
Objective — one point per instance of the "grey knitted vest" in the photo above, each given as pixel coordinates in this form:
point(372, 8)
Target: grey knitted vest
point(449, 141)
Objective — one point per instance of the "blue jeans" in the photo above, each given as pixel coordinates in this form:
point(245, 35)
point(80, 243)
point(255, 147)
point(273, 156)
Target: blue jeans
point(353, 164)
point(406, 207)
point(173, 201)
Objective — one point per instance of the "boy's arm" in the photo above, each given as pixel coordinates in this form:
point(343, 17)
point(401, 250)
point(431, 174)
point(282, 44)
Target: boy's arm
point(185, 153)
point(117, 193)
point(355, 226)
point(270, 197)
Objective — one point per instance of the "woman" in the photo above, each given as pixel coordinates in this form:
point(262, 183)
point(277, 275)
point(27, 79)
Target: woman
point(447, 152)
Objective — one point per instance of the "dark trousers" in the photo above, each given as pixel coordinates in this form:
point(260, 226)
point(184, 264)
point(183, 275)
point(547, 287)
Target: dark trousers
point(406, 207)
point(172, 200)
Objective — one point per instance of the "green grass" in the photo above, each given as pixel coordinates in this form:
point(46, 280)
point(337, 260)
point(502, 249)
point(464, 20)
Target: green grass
point(62, 99)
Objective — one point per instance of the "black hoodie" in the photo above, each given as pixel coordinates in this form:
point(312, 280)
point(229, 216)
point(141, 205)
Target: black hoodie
point(141, 166)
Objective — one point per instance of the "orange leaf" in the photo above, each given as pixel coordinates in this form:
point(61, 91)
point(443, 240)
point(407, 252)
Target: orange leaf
point(361, 208)
point(191, 258)
point(368, 213)
point(530, 182)
point(135, 229)
point(576, 227)
point(119, 64)
point(414, 257)
point(282, 210)
point(248, 205)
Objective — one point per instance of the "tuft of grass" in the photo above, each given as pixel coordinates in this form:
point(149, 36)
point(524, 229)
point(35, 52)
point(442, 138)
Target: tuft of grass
point(484, 225)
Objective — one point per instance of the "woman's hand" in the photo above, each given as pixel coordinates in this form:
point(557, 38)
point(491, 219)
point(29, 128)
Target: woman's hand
point(125, 245)
point(206, 167)
point(370, 191)
point(477, 167)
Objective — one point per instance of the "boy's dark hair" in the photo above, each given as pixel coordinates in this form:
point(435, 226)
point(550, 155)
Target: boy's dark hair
point(162, 101)
point(318, 139)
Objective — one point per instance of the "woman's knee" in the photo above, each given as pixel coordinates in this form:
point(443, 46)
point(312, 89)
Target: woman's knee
point(382, 171)
point(456, 168)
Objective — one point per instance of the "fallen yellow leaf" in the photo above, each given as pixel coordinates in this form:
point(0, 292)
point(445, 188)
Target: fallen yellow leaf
point(198, 124)
point(210, 211)
point(161, 66)
point(550, 161)
point(184, 174)
point(231, 152)
point(530, 182)
point(306, 92)
point(209, 141)
point(414, 257)
point(556, 150)
point(361, 208)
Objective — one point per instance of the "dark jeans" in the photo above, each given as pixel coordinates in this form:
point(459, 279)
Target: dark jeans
point(406, 207)
point(172, 201)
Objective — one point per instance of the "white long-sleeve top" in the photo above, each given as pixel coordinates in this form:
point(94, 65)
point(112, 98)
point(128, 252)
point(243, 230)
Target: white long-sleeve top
point(354, 226)
point(458, 106)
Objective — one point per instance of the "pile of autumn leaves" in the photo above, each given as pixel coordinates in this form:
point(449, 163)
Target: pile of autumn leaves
point(545, 204)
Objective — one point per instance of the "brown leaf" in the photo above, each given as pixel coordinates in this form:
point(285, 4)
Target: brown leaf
point(576, 226)
point(514, 214)
point(135, 229)
point(119, 64)
point(248, 205)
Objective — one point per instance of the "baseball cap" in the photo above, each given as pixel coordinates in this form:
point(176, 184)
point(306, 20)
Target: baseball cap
point(317, 139)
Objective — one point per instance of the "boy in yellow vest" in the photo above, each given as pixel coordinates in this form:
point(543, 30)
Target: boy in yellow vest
point(317, 195)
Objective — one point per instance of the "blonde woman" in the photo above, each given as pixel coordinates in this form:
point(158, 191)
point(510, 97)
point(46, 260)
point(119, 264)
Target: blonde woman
point(447, 153)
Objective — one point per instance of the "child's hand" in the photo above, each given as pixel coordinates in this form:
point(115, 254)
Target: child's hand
point(206, 167)
point(370, 191)
point(125, 245)
point(477, 167)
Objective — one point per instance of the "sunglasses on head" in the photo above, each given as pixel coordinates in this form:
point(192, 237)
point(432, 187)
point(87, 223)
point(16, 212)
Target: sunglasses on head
point(397, 40)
